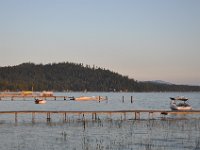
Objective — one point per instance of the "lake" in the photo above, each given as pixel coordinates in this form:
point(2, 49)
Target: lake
point(160, 133)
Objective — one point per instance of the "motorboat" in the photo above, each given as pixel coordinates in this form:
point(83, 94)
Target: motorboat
point(181, 105)
point(181, 98)
point(40, 101)
point(87, 98)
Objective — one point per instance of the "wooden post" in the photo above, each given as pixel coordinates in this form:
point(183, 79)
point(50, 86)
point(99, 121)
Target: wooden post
point(15, 117)
point(65, 117)
point(137, 115)
point(95, 116)
point(83, 117)
point(83, 121)
point(48, 117)
point(110, 116)
point(124, 116)
point(33, 117)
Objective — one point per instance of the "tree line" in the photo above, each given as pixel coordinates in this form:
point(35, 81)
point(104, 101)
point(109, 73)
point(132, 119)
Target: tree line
point(68, 76)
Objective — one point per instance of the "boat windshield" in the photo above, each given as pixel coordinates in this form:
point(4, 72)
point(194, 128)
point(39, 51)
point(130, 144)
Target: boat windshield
point(183, 105)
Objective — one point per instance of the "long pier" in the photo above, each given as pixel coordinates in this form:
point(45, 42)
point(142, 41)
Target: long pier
point(24, 97)
point(94, 114)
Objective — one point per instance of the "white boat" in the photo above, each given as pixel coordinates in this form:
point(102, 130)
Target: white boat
point(40, 101)
point(182, 105)
point(87, 98)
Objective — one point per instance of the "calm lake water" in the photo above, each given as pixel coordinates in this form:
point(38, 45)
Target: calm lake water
point(176, 132)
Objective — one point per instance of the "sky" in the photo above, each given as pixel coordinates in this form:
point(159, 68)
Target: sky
point(141, 39)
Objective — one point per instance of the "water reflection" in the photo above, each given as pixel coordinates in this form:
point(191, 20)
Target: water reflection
point(164, 134)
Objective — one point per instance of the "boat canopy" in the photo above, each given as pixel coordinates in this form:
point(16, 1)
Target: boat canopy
point(181, 98)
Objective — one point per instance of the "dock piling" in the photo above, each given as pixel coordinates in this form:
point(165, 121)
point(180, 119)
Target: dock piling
point(15, 117)
point(33, 117)
point(137, 115)
point(65, 117)
point(48, 117)
point(122, 99)
point(83, 121)
point(131, 99)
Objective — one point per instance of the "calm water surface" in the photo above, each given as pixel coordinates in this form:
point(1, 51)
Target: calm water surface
point(161, 133)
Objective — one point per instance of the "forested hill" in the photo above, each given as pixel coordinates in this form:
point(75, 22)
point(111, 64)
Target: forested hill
point(75, 77)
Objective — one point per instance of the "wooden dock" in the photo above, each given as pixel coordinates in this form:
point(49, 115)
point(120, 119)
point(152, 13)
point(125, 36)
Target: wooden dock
point(25, 97)
point(94, 114)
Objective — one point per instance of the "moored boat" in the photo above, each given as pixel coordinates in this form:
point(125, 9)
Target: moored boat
point(40, 101)
point(182, 105)
point(87, 98)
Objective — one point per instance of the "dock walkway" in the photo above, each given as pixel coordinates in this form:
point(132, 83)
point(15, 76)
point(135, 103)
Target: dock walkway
point(135, 113)
point(25, 97)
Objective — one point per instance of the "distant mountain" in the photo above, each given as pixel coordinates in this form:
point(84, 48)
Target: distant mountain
point(160, 82)
point(76, 77)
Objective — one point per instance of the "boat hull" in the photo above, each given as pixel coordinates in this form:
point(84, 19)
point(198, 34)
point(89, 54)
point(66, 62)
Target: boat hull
point(40, 101)
point(183, 108)
point(87, 98)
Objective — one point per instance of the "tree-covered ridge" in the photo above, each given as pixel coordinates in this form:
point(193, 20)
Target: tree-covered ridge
point(75, 77)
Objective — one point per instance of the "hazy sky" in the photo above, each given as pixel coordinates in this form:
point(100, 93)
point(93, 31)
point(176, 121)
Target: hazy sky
point(144, 39)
